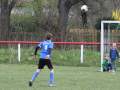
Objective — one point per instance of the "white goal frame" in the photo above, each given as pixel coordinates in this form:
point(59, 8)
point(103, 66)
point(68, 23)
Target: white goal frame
point(102, 38)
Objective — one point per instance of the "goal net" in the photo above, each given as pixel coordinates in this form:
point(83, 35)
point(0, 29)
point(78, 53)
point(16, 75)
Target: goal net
point(110, 33)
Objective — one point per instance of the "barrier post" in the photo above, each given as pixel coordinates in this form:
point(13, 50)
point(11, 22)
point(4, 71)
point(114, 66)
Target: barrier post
point(81, 54)
point(19, 52)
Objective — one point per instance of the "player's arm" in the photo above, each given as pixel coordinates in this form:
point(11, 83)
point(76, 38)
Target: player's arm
point(36, 49)
point(110, 53)
point(117, 54)
point(35, 52)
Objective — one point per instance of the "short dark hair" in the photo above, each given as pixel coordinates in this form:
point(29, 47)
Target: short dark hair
point(48, 36)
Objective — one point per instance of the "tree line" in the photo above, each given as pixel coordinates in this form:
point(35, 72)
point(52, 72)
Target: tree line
point(58, 18)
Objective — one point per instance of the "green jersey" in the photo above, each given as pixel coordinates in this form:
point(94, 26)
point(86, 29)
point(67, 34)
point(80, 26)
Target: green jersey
point(105, 64)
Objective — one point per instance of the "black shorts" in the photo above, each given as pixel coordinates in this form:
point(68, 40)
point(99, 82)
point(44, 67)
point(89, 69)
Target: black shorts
point(43, 62)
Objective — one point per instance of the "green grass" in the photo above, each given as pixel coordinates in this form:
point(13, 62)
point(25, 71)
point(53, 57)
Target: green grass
point(16, 77)
point(70, 57)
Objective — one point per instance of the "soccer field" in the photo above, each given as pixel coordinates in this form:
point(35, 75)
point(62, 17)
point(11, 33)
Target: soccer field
point(16, 77)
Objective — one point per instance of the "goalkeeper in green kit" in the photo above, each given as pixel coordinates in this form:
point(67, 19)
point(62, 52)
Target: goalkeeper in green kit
point(106, 64)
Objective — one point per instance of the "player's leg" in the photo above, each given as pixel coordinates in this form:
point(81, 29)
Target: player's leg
point(50, 66)
point(113, 66)
point(36, 73)
point(51, 76)
point(109, 67)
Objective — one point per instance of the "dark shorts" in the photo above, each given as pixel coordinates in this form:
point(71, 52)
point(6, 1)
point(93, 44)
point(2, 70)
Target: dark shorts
point(43, 62)
point(109, 66)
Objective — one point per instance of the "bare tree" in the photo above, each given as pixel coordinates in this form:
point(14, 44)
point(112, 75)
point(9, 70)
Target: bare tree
point(64, 7)
point(5, 11)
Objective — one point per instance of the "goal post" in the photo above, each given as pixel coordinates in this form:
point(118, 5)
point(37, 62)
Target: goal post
point(103, 38)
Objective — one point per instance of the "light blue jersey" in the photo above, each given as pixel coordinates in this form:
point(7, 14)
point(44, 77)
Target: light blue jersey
point(46, 46)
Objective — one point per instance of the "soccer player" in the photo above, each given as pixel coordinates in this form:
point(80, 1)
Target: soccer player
point(45, 58)
point(106, 64)
point(113, 56)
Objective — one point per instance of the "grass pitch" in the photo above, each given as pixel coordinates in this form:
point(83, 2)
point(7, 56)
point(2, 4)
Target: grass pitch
point(16, 77)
